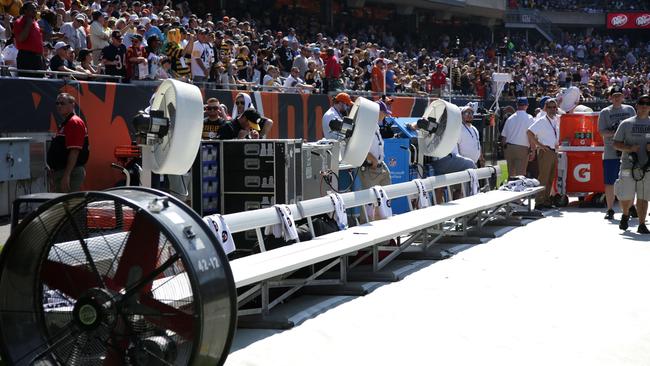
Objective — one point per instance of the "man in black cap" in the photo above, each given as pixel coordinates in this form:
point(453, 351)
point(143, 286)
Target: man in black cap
point(247, 126)
point(632, 138)
point(114, 56)
point(608, 121)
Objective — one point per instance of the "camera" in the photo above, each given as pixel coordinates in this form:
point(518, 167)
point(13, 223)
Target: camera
point(344, 127)
point(429, 125)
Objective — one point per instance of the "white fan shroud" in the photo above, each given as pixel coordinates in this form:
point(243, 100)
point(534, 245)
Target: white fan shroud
point(441, 143)
point(365, 115)
point(177, 151)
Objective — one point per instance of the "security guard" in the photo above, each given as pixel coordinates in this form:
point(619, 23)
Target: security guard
point(633, 138)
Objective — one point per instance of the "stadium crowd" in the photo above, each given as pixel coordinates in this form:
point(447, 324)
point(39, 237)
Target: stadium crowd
point(145, 41)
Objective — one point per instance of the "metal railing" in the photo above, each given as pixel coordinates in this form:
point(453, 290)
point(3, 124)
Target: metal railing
point(9, 71)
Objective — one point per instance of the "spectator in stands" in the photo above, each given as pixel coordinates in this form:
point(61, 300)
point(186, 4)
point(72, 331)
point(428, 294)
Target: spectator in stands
point(378, 80)
point(543, 135)
point(272, 79)
point(180, 56)
point(73, 32)
point(216, 117)
point(153, 58)
point(63, 59)
point(114, 56)
point(339, 109)
point(294, 84)
point(202, 56)
point(301, 61)
point(28, 41)
point(514, 139)
point(608, 121)
point(69, 150)
point(85, 60)
point(438, 81)
point(100, 35)
point(284, 57)
point(9, 53)
point(137, 67)
point(332, 72)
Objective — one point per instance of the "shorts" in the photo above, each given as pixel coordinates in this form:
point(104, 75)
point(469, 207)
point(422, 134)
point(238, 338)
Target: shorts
point(626, 187)
point(452, 163)
point(611, 169)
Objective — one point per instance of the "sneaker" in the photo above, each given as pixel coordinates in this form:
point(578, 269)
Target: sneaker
point(632, 212)
point(642, 229)
point(623, 225)
point(609, 215)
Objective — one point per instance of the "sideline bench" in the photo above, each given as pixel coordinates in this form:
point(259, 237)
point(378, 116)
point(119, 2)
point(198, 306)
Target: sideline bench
point(256, 274)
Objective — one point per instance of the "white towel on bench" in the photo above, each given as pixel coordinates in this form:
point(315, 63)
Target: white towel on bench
point(473, 182)
point(339, 214)
point(381, 208)
point(423, 197)
point(220, 229)
point(287, 228)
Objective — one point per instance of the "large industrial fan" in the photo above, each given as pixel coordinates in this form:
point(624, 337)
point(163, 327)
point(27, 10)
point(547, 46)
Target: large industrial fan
point(439, 129)
point(126, 276)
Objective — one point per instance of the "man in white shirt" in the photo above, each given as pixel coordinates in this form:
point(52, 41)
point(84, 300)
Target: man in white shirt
point(74, 34)
point(338, 110)
point(294, 84)
point(544, 138)
point(514, 139)
point(469, 142)
point(202, 56)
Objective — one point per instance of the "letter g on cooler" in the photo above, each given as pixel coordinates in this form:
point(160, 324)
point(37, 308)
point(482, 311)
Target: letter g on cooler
point(582, 173)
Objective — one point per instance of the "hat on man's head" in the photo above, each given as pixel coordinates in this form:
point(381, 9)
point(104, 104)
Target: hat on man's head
point(542, 102)
point(80, 17)
point(522, 101)
point(439, 66)
point(60, 44)
point(136, 36)
point(343, 98)
point(383, 107)
point(644, 98)
point(615, 89)
point(253, 118)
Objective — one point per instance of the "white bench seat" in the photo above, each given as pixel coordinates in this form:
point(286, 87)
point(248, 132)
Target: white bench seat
point(266, 265)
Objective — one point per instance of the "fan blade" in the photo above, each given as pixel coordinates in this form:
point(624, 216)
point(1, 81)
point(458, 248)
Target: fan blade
point(168, 317)
point(73, 281)
point(140, 251)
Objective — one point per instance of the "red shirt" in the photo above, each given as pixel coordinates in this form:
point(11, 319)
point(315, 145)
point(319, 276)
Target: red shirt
point(75, 132)
point(332, 68)
point(438, 80)
point(33, 42)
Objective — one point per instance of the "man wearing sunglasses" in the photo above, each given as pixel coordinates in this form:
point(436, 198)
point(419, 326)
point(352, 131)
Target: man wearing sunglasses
point(544, 139)
point(215, 118)
point(632, 138)
point(69, 150)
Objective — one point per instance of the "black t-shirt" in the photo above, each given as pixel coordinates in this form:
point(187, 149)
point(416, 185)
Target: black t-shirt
point(229, 131)
point(112, 53)
point(211, 128)
point(285, 57)
point(56, 62)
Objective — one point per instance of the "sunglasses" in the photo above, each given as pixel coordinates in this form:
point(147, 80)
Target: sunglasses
point(61, 103)
point(239, 103)
point(212, 108)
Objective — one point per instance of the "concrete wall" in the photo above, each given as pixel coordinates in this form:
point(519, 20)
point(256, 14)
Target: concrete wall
point(577, 19)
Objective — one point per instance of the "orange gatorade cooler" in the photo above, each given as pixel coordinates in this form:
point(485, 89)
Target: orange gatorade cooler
point(580, 171)
point(580, 129)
